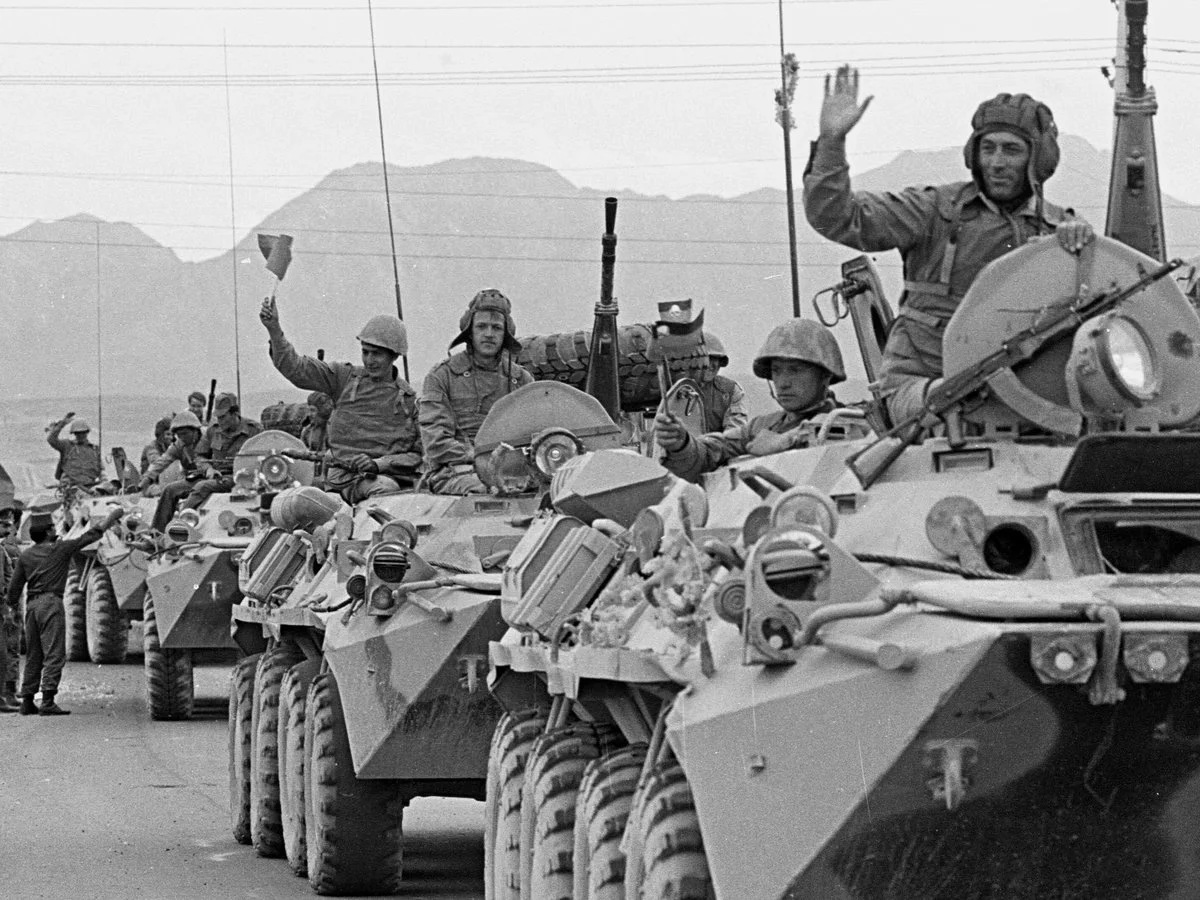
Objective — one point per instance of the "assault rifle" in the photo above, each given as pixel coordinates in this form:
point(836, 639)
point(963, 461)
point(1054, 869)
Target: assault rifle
point(1053, 322)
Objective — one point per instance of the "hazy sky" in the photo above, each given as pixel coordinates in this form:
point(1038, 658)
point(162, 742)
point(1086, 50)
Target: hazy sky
point(120, 110)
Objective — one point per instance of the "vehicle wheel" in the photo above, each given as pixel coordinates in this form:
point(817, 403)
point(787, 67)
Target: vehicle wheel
point(290, 741)
point(169, 689)
point(552, 777)
point(75, 607)
point(353, 828)
point(241, 706)
point(605, 798)
point(671, 858)
point(511, 742)
point(266, 828)
point(107, 627)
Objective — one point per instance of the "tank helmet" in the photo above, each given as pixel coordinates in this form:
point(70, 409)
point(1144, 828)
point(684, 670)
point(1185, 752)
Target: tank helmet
point(387, 332)
point(488, 300)
point(185, 419)
point(162, 426)
point(716, 350)
point(79, 426)
point(803, 340)
point(1025, 117)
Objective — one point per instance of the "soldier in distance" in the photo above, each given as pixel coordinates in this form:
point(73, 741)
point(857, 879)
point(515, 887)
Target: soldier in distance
point(79, 462)
point(157, 447)
point(315, 432)
point(185, 431)
point(374, 442)
point(460, 391)
point(946, 233)
point(10, 616)
point(197, 403)
point(217, 449)
point(800, 359)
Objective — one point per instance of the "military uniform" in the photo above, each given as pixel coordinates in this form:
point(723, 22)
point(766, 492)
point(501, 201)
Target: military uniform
point(377, 417)
point(457, 395)
point(217, 450)
point(171, 493)
point(725, 404)
point(10, 670)
point(78, 464)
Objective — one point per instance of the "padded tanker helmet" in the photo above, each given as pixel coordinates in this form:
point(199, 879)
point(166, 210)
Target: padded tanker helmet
point(488, 300)
point(1025, 117)
point(387, 332)
point(803, 340)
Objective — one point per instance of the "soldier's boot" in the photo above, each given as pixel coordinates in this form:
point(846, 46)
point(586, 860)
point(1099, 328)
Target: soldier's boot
point(7, 707)
point(10, 693)
point(49, 707)
point(28, 707)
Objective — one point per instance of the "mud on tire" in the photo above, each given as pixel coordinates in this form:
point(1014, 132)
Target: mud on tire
point(241, 704)
point(75, 608)
point(290, 744)
point(107, 628)
point(511, 743)
point(169, 688)
point(602, 811)
point(352, 827)
point(266, 826)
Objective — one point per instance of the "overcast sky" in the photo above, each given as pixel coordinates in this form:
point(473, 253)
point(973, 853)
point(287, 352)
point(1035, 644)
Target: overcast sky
point(121, 110)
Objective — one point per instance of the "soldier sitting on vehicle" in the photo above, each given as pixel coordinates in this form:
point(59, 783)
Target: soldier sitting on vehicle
point(800, 359)
point(79, 462)
point(947, 233)
point(724, 400)
point(218, 448)
point(157, 447)
point(185, 429)
point(197, 404)
point(374, 443)
point(315, 432)
point(459, 391)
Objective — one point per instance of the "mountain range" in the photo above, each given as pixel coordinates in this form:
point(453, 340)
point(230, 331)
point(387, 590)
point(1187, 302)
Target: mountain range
point(166, 325)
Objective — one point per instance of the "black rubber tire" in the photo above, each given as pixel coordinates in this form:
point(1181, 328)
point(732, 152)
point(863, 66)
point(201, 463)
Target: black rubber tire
point(674, 865)
point(290, 743)
point(107, 626)
point(511, 742)
point(605, 799)
point(266, 825)
point(75, 608)
point(353, 828)
point(552, 777)
point(170, 693)
point(241, 707)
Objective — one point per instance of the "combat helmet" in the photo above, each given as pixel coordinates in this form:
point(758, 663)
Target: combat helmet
point(716, 350)
point(185, 419)
point(488, 300)
point(79, 426)
point(387, 332)
point(805, 341)
point(1025, 117)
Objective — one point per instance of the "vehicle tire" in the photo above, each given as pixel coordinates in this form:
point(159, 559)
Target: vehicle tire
point(266, 826)
point(353, 828)
point(672, 862)
point(512, 757)
point(75, 608)
point(605, 798)
point(511, 742)
point(169, 689)
point(107, 627)
point(552, 777)
point(290, 741)
point(241, 707)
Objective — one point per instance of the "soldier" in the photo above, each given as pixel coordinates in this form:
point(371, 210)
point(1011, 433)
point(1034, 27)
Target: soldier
point(217, 449)
point(10, 652)
point(185, 430)
point(724, 400)
point(800, 359)
point(315, 432)
point(197, 403)
point(374, 444)
point(157, 447)
point(459, 391)
point(946, 233)
point(42, 569)
point(79, 462)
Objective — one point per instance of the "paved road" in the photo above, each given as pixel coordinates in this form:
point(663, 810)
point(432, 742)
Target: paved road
point(105, 803)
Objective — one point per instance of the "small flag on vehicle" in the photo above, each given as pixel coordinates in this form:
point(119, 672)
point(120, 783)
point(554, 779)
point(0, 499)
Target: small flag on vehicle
point(277, 248)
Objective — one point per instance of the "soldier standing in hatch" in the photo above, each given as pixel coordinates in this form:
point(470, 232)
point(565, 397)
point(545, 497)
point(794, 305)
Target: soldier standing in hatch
point(374, 442)
point(459, 392)
point(42, 569)
point(79, 462)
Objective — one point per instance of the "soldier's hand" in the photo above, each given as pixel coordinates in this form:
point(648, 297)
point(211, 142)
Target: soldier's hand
point(669, 432)
point(360, 462)
point(767, 442)
point(1074, 234)
point(840, 111)
point(211, 473)
point(268, 314)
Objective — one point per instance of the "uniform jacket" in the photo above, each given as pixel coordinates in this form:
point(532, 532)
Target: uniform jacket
point(218, 447)
point(77, 463)
point(919, 222)
point(710, 451)
point(724, 403)
point(43, 567)
point(455, 398)
point(377, 417)
point(177, 452)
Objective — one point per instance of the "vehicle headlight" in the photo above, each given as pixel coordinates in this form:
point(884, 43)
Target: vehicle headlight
point(275, 470)
point(1113, 366)
point(1129, 359)
point(552, 449)
point(805, 505)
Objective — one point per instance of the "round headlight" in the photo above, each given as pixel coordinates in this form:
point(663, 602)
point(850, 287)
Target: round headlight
point(554, 448)
point(1129, 359)
point(805, 505)
point(382, 598)
point(274, 470)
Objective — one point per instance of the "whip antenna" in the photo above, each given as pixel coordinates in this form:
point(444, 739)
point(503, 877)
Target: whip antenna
point(237, 349)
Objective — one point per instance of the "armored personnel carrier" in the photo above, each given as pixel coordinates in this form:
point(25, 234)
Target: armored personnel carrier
point(913, 666)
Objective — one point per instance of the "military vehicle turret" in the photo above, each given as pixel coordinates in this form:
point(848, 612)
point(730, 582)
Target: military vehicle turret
point(959, 666)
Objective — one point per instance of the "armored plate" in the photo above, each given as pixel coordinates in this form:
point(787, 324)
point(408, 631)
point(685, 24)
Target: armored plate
point(272, 443)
